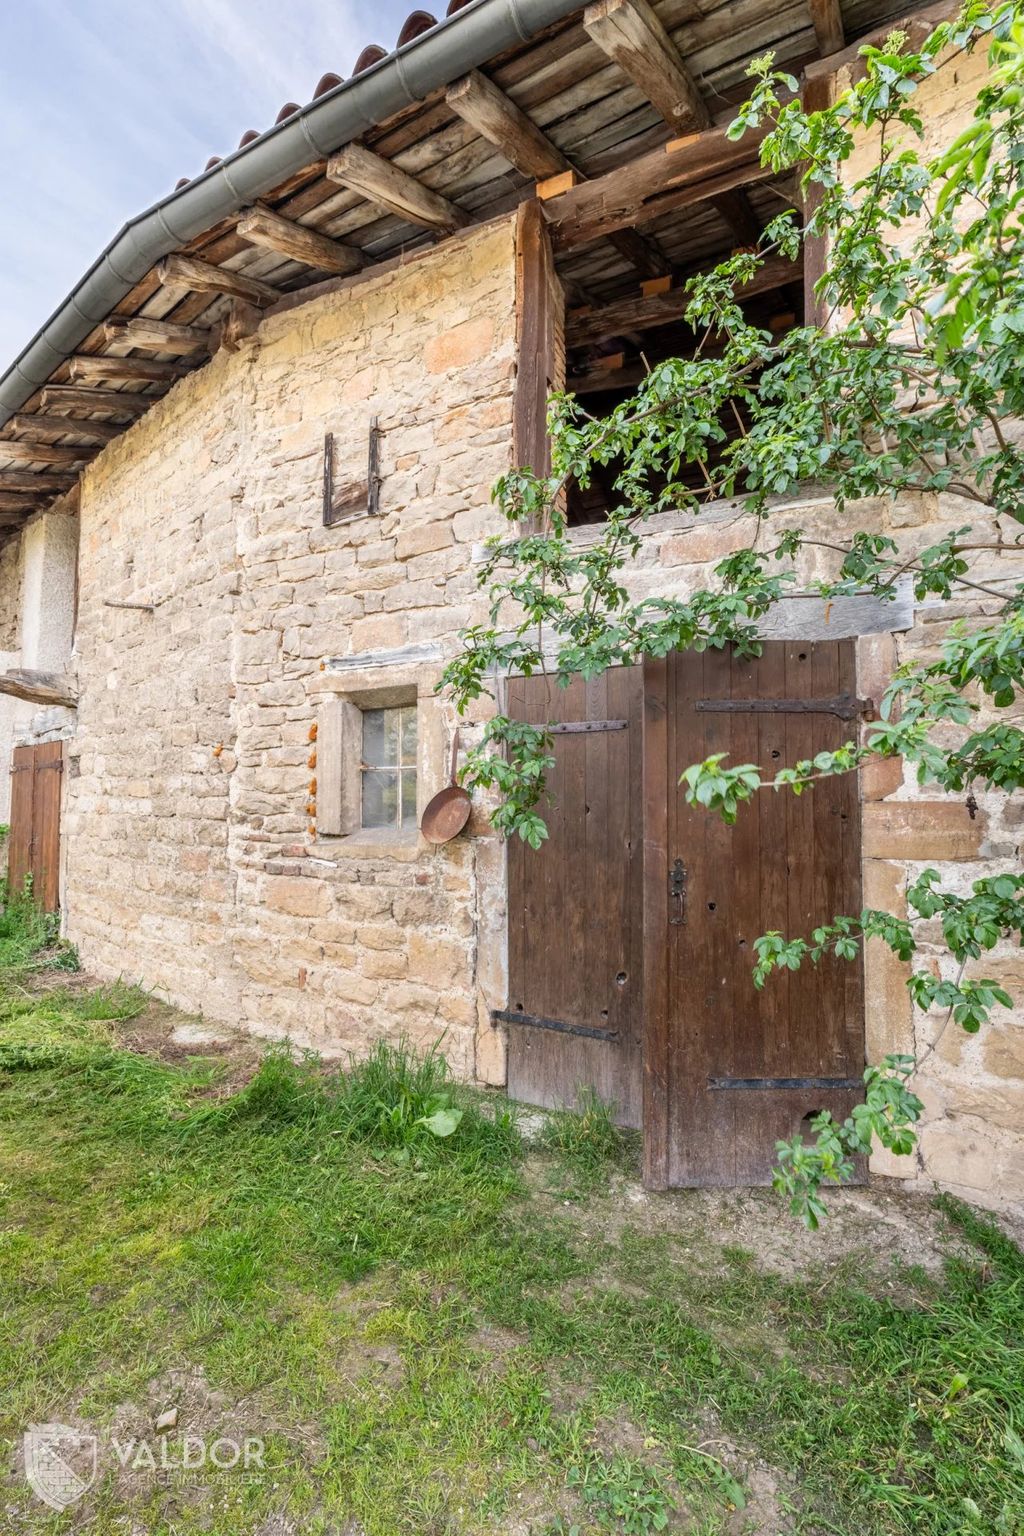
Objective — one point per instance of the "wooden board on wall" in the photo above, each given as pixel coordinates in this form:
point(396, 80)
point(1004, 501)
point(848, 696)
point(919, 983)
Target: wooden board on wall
point(575, 905)
point(34, 848)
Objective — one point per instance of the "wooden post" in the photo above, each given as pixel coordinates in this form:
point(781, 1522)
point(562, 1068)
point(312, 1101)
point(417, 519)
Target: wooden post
point(538, 333)
point(817, 95)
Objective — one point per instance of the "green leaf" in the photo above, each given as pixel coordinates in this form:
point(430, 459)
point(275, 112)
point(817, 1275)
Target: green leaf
point(443, 1122)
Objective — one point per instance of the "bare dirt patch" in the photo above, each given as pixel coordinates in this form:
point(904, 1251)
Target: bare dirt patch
point(868, 1227)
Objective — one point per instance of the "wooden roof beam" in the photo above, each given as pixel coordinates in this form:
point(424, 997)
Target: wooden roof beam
point(259, 226)
point(22, 501)
point(642, 254)
point(155, 335)
point(393, 189)
point(25, 451)
point(97, 431)
point(26, 480)
point(91, 369)
point(203, 277)
point(630, 33)
point(38, 687)
point(684, 172)
point(827, 17)
point(74, 401)
point(497, 119)
point(644, 313)
point(598, 379)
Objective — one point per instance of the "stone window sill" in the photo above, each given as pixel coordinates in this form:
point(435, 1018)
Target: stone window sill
point(371, 843)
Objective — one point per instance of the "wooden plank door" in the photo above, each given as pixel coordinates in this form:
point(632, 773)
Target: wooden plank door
point(34, 847)
point(730, 1070)
point(575, 914)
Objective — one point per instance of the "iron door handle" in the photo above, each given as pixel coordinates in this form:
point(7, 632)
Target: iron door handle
point(677, 894)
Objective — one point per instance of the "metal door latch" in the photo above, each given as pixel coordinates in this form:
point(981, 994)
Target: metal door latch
point(677, 893)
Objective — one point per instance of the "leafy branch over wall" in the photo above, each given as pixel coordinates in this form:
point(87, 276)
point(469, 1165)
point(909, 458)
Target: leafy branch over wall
point(911, 384)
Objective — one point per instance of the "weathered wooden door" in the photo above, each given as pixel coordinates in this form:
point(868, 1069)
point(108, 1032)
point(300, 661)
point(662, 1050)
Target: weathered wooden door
point(730, 1070)
point(575, 921)
point(34, 847)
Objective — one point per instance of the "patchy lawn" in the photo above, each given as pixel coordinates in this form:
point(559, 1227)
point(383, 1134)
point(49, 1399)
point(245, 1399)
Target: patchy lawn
point(465, 1333)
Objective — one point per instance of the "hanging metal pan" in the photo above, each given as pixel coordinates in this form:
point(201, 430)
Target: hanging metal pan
point(448, 811)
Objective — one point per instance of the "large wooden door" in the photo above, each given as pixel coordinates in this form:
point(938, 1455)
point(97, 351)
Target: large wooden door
point(730, 1070)
point(575, 920)
point(34, 847)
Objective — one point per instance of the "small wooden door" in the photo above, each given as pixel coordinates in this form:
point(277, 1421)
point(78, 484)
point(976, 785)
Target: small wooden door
point(575, 919)
point(34, 847)
point(730, 1070)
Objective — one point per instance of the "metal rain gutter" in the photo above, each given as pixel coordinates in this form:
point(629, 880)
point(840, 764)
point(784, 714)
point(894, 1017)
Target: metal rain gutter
point(456, 45)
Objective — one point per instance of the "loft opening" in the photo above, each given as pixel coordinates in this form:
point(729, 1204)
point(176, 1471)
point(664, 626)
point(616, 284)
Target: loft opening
point(619, 323)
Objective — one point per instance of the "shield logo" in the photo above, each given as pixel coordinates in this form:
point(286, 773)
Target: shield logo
point(60, 1463)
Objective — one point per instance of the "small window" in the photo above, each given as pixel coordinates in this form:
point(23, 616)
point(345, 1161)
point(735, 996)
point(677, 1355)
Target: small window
point(388, 768)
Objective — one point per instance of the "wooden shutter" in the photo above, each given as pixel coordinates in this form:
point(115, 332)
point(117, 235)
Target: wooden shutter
point(35, 821)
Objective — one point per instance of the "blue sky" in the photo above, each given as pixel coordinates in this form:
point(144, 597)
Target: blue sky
point(105, 103)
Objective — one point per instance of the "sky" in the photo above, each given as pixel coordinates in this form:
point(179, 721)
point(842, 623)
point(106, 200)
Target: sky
point(104, 104)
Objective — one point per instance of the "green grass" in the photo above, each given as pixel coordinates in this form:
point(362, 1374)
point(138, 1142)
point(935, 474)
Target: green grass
point(429, 1342)
point(586, 1145)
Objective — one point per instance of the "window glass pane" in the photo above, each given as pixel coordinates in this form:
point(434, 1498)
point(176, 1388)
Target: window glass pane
point(380, 799)
point(389, 767)
point(408, 777)
point(392, 735)
point(409, 736)
point(373, 737)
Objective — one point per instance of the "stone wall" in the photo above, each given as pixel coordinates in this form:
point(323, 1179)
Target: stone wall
point(195, 859)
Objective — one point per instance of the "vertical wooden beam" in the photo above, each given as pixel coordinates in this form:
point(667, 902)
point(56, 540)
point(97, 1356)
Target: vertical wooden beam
point(817, 95)
point(538, 331)
point(827, 17)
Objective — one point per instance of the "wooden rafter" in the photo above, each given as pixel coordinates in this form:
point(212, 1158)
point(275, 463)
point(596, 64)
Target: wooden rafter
point(260, 226)
point(827, 17)
point(25, 451)
point(393, 189)
point(50, 426)
point(497, 119)
point(75, 401)
point(89, 369)
point(596, 379)
point(156, 335)
point(686, 171)
point(18, 501)
point(41, 480)
point(630, 32)
point(38, 687)
point(645, 312)
point(203, 277)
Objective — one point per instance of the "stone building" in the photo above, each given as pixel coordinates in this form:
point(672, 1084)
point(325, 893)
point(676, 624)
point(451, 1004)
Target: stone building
point(264, 433)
